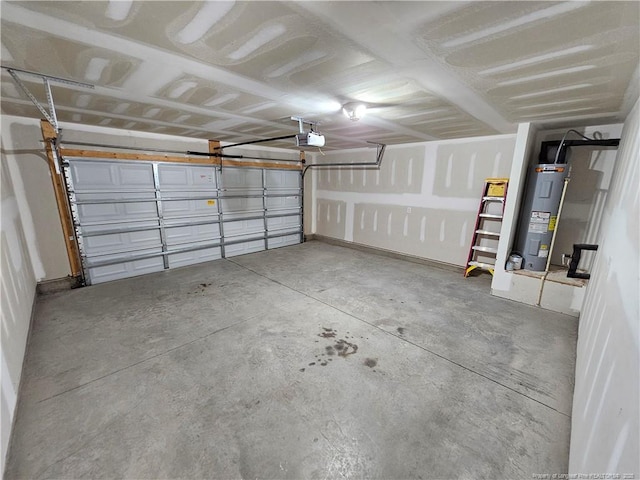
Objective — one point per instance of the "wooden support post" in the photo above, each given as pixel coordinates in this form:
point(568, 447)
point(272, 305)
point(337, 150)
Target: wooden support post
point(49, 135)
point(214, 147)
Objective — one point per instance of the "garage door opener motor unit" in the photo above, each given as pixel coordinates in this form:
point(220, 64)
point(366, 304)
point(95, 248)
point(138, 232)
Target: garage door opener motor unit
point(309, 139)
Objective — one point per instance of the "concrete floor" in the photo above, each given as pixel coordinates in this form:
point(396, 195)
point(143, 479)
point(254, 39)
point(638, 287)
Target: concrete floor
point(312, 361)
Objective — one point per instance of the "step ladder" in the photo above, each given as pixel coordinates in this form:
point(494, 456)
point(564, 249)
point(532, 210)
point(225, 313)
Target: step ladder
point(487, 229)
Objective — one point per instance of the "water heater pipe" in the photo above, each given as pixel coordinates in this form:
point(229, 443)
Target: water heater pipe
point(555, 231)
point(553, 240)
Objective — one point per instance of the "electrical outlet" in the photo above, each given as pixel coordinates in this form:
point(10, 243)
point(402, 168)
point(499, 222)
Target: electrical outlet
point(408, 209)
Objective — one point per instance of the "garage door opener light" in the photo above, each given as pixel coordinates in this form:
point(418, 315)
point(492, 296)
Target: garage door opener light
point(354, 111)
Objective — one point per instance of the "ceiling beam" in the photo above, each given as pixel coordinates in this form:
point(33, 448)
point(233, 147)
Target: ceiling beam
point(353, 21)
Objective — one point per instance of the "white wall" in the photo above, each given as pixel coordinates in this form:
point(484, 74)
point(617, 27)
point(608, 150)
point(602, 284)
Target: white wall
point(34, 193)
point(525, 139)
point(423, 201)
point(605, 420)
point(18, 292)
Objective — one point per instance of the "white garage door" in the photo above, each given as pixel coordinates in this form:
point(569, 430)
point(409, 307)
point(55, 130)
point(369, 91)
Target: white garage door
point(133, 218)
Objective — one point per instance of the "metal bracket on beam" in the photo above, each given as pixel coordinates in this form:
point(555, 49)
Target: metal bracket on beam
point(301, 121)
point(52, 107)
point(33, 99)
point(55, 154)
point(51, 114)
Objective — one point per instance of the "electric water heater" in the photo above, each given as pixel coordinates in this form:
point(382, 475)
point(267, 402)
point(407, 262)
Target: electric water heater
point(539, 213)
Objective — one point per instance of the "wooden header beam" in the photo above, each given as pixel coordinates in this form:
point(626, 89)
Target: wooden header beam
point(78, 153)
point(49, 135)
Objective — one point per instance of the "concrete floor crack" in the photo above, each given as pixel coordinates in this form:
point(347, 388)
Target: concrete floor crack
point(152, 357)
point(86, 442)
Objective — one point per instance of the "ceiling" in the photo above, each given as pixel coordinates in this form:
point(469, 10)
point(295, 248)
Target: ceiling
point(237, 70)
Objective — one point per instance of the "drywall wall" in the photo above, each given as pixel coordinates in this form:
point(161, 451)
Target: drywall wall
point(605, 422)
point(18, 293)
point(525, 139)
point(32, 180)
point(22, 146)
point(423, 200)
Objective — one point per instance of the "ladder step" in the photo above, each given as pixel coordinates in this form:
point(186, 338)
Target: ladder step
point(487, 232)
point(493, 199)
point(490, 215)
point(481, 265)
point(485, 249)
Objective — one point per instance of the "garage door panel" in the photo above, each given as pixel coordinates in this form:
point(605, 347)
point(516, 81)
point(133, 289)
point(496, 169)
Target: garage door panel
point(289, 202)
point(192, 233)
point(238, 205)
point(234, 228)
point(282, 179)
point(115, 196)
point(279, 193)
point(178, 221)
point(187, 177)
point(244, 248)
point(119, 227)
point(241, 179)
point(140, 223)
point(134, 175)
point(122, 242)
point(284, 241)
point(196, 256)
point(244, 237)
point(181, 208)
point(126, 269)
point(95, 175)
point(116, 211)
point(234, 217)
point(280, 223)
point(172, 175)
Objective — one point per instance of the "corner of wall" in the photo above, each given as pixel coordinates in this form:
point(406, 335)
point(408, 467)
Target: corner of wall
point(309, 192)
point(18, 294)
point(22, 153)
point(605, 425)
point(525, 142)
